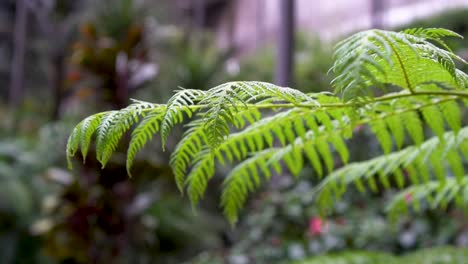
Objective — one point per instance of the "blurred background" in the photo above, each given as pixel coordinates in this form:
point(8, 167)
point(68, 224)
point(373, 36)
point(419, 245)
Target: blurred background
point(61, 60)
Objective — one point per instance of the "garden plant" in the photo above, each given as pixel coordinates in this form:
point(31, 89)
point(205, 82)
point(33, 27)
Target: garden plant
point(404, 85)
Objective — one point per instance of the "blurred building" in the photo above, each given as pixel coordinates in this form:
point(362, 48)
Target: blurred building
point(247, 23)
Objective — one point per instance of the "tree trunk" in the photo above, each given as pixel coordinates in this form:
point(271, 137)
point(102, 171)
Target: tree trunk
point(58, 78)
point(377, 7)
point(260, 23)
point(199, 11)
point(17, 65)
point(285, 62)
point(122, 78)
point(231, 25)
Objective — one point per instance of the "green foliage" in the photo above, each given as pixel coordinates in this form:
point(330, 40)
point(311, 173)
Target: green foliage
point(27, 170)
point(454, 19)
point(264, 127)
point(116, 17)
point(413, 162)
point(427, 256)
point(353, 257)
point(380, 58)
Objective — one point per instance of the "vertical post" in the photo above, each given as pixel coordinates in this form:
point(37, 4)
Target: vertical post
point(58, 77)
point(231, 25)
point(17, 65)
point(122, 78)
point(260, 17)
point(199, 13)
point(199, 17)
point(285, 62)
point(377, 7)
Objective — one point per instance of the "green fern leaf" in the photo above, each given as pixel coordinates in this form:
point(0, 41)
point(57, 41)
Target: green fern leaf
point(414, 127)
point(380, 130)
point(142, 134)
point(73, 144)
point(452, 115)
point(377, 58)
point(242, 180)
point(103, 132)
point(186, 150)
point(413, 159)
point(434, 119)
point(176, 106)
point(396, 127)
point(89, 126)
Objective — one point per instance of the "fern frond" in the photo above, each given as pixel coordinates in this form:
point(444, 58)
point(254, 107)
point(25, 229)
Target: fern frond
point(197, 179)
point(452, 114)
point(431, 33)
point(176, 107)
point(225, 100)
point(144, 132)
point(114, 125)
point(434, 118)
point(237, 147)
point(432, 194)
point(433, 151)
point(243, 179)
point(80, 137)
point(73, 144)
point(89, 126)
point(194, 140)
point(265, 127)
point(104, 132)
point(186, 150)
point(378, 58)
point(315, 144)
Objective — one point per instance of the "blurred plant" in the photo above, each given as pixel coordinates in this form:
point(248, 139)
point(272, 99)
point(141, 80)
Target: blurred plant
point(112, 49)
point(100, 216)
point(282, 224)
point(443, 255)
point(312, 61)
point(107, 219)
point(48, 215)
point(189, 62)
point(57, 22)
point(24, 168)
point(314, 58)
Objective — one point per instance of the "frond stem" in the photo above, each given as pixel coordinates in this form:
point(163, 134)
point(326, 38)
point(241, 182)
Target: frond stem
point(400, 62)
point(332, 105)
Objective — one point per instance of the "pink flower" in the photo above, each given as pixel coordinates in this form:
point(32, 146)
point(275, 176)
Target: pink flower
point(317, 226)
point(408, 197)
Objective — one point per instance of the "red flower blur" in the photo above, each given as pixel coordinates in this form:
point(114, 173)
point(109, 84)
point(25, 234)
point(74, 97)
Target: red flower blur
point(317, 226)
